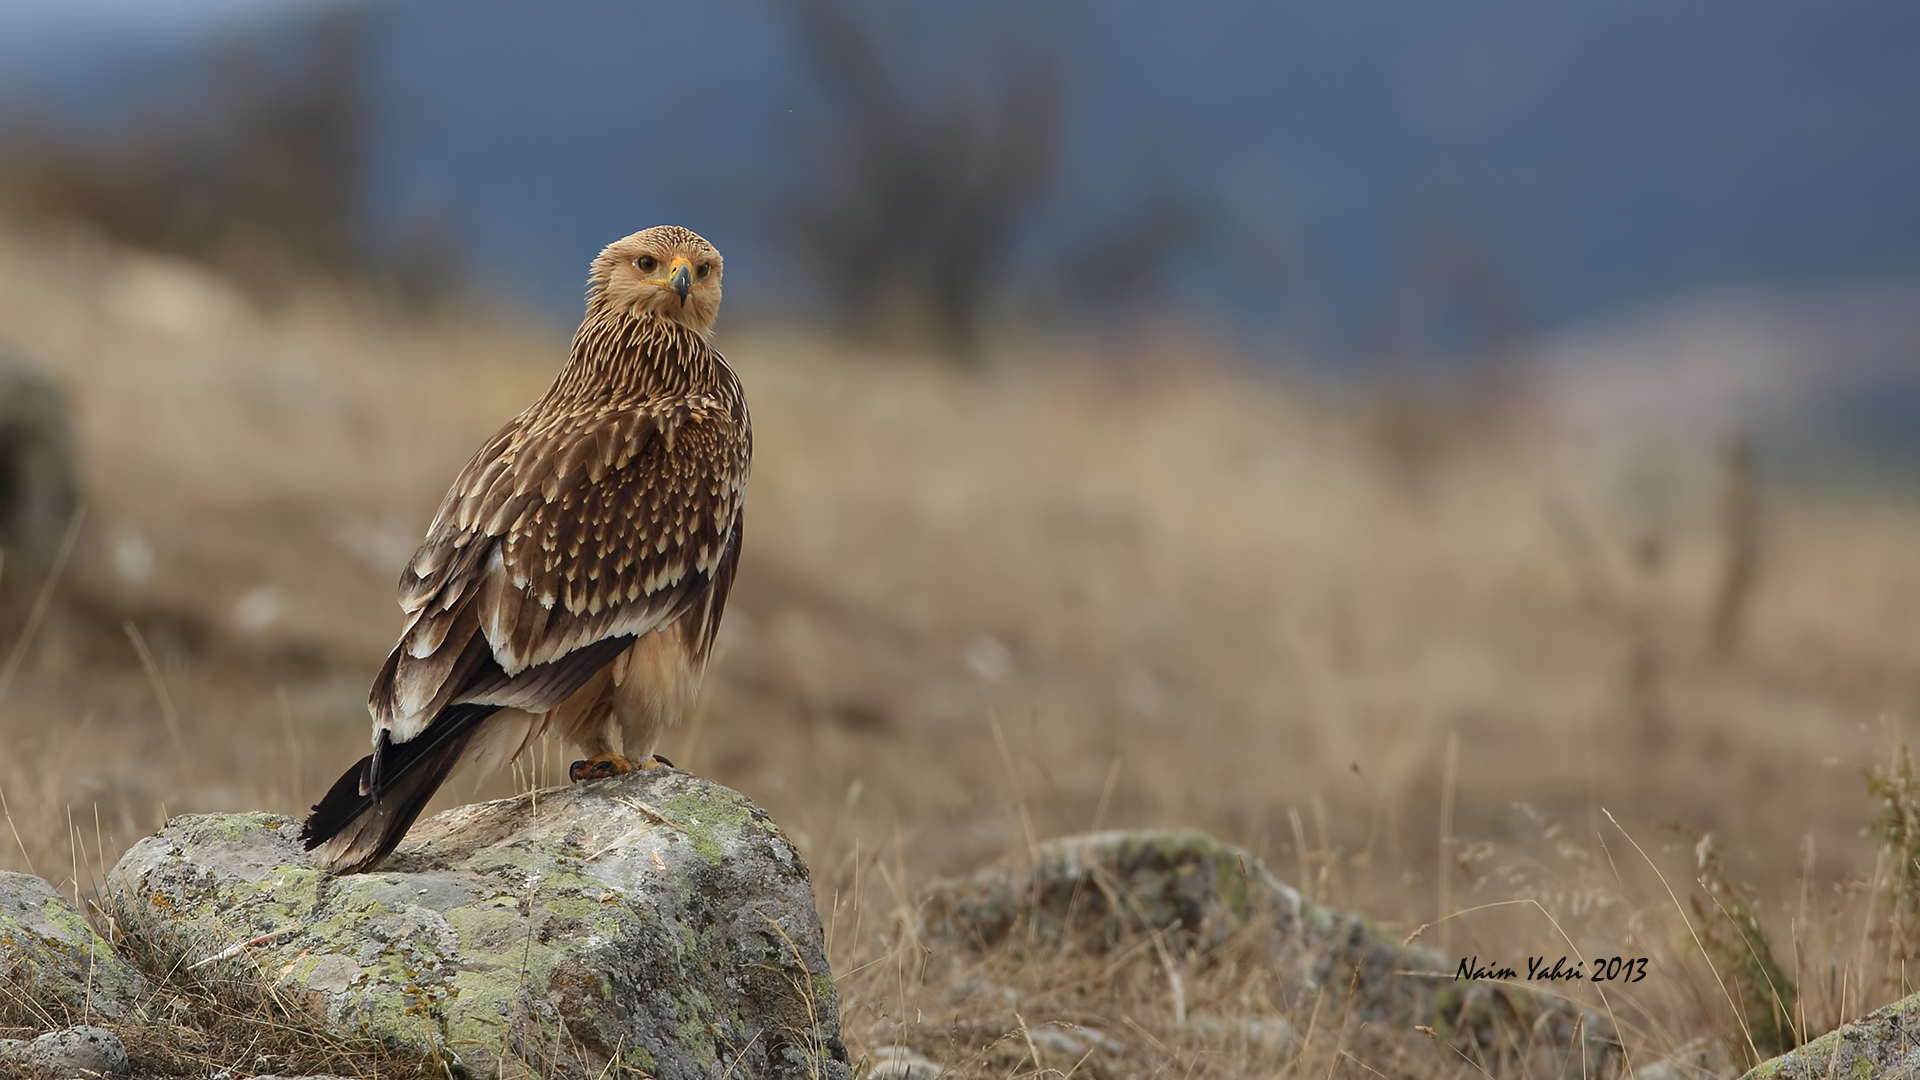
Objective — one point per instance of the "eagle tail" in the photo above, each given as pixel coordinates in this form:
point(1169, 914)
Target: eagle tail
point(358, 823)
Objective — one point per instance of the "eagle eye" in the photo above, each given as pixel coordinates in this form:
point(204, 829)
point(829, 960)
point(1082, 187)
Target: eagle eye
point(647, 264)
point(704, 267)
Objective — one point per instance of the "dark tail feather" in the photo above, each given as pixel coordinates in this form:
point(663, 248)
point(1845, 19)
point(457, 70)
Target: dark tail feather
point(360, 824)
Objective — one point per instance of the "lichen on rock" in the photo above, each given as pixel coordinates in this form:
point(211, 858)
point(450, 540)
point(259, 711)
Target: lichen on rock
point(54, 968)
point(654, 924)
point(75, 1052)
point(1884, 1043)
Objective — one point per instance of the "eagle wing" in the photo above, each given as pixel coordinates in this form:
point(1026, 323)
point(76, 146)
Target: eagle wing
point(569, 534)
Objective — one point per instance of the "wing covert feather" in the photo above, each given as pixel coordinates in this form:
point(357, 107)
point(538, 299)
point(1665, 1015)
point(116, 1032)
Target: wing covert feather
point(559, 535)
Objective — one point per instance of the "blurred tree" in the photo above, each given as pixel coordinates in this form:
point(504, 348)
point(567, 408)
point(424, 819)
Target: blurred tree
point(259, 170)
point(929, 148)
point(1107, 266)
point(1454, 364)
point(294, 152)
point(39, 486)
point(1456, 323)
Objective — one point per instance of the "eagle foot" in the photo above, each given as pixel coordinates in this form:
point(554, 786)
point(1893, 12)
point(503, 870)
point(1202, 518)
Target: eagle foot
point(601, 766)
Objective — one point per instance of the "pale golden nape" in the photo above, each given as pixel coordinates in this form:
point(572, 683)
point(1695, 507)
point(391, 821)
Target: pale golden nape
point(667, 271)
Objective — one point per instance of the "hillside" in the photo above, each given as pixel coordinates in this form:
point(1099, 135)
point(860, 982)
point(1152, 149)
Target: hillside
point(978, 610)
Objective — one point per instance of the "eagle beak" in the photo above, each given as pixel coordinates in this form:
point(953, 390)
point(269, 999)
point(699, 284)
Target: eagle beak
point(681, 279)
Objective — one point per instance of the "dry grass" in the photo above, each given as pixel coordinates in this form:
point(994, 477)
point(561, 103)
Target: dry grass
point(976, 610)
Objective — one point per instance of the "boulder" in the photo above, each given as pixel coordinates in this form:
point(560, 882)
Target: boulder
point(54, 969)
point(68, 1054)
point(655, 923)
point(1196, 895)
point(1882, 1043)
point(902, 1063)
point(228, 1074)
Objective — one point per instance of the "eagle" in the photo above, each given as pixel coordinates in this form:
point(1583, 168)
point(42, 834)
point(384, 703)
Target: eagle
point(573, 579)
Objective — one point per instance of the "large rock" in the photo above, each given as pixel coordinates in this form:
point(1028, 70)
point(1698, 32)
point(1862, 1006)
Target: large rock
point(54, 969)
point(655, 923)
point(1885, 1043)
point(74, 1052)
point(1096, 892)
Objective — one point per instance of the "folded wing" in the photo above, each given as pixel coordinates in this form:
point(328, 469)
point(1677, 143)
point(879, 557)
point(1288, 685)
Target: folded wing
point(565, 539)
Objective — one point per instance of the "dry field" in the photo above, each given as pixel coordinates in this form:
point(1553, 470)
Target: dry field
point(977, 610)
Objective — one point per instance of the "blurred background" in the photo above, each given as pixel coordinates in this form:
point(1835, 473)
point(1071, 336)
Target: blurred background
point(1389, 435)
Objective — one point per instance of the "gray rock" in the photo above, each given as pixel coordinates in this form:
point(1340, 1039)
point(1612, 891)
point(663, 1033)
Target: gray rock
point(656, 922)
point(902, 1063)
point(76, 1052)
point(54, 969)
point(1071, 1042)
point(229, 1074)
point(1197, 895)
point(1885, 1043)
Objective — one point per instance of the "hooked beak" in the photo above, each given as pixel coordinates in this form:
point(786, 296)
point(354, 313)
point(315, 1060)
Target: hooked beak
point(681, 280)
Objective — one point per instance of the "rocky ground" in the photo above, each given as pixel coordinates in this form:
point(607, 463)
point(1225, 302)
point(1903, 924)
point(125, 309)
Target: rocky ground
point(657, 926)
point(661, 925)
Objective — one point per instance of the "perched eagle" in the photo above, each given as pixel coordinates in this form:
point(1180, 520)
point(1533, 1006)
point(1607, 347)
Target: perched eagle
point(573, 577)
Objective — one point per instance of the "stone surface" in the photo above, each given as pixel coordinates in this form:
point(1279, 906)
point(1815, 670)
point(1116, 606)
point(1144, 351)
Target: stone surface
point(1064, 1046)
point(654, 924)
point(1885, 1043)
point(54, 969)
point(1198, 895)
point(902, 1063)
point(229, 1074)
point(72, 1053)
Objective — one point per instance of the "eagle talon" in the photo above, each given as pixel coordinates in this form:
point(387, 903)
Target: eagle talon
point(600, 766)
point(657, 761)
